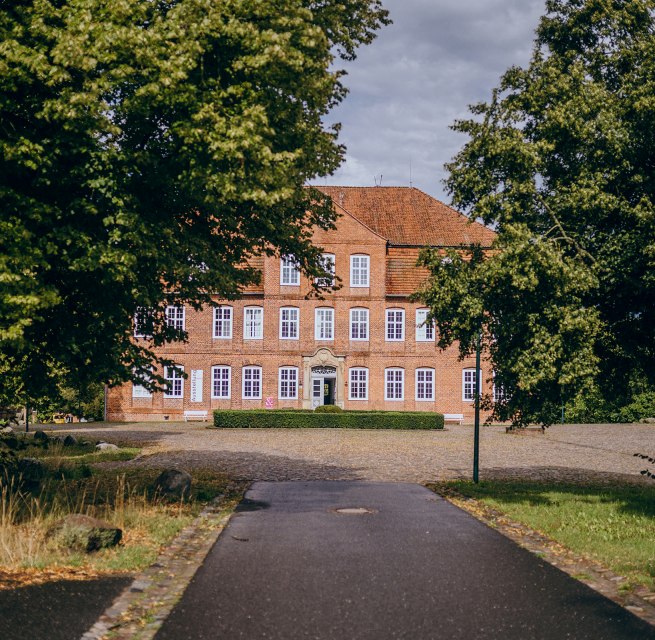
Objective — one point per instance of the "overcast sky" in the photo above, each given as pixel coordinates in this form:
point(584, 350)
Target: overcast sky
point(417, 77)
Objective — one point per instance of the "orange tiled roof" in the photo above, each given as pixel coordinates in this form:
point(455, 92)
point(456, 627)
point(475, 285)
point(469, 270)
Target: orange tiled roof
point(403, 276)
point(407, 216)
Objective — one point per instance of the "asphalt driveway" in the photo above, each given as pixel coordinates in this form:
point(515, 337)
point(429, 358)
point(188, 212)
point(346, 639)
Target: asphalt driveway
point(400, 562)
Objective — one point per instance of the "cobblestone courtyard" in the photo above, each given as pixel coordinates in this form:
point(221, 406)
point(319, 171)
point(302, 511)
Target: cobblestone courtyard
point(565, 452)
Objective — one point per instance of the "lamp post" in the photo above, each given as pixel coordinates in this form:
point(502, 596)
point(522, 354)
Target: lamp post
point(476, 431)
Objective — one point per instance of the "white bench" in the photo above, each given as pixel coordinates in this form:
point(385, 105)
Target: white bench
point(453, 417)
point(195, 415)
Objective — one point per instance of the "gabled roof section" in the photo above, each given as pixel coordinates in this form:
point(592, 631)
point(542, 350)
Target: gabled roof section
point(408, 216)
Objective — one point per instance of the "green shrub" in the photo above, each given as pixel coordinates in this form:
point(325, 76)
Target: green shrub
point(328, 408)
point(642, 406)
point(307, 419)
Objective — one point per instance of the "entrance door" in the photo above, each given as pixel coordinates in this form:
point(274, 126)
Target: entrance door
point(328, 390)
point(317, 392)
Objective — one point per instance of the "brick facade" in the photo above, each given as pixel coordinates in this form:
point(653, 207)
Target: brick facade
point(392, 277)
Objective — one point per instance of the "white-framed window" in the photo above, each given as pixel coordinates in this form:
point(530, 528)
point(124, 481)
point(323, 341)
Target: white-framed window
point(394, 384)
point(174, 382)
point(141, 318)
point(328, 262)
point(288, 383)
point(253, 323)
point(324, 323)
point(395, 325)
point(425, 384)
point(289, 272)
point(221, 381)
point(498, 391)
point(358, 384)
point(175, 317)
point(359, 324)
point(223, 322)
point(252, 383)
point(289, 319)
point(424, 330)
point(359, 271)
point(139, 391)
point(468, 385)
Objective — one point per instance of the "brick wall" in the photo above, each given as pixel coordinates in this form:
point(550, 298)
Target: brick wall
point(202, 351)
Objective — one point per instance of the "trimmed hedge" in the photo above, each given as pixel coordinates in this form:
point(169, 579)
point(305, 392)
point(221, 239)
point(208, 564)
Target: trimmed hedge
point(328, 408)
point(307, 419)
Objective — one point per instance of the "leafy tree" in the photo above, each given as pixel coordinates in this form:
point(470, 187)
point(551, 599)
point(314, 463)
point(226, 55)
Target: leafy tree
point(149, 149)
point(561, 163)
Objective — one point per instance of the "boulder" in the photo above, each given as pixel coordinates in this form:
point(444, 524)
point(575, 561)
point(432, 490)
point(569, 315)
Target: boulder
point(648, 420)
point(84, 533)
point(70, 441)
point(8, 441)
point(106, 446)
point(174, 482)
point(6, 430)
point(32, 471)
point(41, 436)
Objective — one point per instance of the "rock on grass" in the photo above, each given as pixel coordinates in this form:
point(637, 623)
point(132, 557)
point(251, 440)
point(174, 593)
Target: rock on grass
point(84, 533)
point(174, 482)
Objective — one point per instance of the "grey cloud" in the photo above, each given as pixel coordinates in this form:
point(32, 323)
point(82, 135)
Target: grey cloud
point(420, 75)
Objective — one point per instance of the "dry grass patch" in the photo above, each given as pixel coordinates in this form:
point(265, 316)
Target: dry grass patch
point(122, 497)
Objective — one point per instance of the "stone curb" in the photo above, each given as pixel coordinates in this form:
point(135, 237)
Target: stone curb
point(640, 602)
point(141, 609)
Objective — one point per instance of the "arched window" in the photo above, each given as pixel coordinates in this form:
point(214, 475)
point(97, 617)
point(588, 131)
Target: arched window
point(394, 384)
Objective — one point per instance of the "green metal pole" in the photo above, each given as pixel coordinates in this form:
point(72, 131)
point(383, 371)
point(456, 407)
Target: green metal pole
point(476, 435)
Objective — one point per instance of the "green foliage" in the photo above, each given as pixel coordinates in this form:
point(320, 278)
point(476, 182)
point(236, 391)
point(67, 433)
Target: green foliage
point(328, 408)
point(307, 419)
point(149, 149)
point(86, 403)
point(560, 162)
point(642, 406)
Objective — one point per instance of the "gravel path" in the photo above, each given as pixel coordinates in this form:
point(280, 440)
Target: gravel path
point(601, 453)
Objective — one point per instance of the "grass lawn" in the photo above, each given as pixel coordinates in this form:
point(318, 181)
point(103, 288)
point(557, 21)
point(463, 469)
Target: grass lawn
point(612, 524)
point(76, 483)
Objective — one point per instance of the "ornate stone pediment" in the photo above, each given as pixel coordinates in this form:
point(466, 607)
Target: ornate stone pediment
point(324, 371)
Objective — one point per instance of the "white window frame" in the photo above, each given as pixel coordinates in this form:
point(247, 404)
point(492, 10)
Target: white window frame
point(322, 324)
point(352, 383)
point(394, 370)
point(292, 323)
point(289, 272)
point(170, 376)
point(243, 382)
point(468, 382)
point(290, 381)
point(221, 396)
point(423, 328)
point(173, 318)
point(141, 311)
point(139, 391)
point(328, 261)
point(223, 322)
point(368, 324)
point(360, 270)
point(388, 322)
point(498, 393)
point(247, 324)
point(418, 383)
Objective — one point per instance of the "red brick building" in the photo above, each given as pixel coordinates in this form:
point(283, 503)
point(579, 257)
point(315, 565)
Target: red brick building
point(365, 346)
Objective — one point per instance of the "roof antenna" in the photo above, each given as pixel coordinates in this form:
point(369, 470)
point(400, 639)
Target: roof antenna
point(378, 183)
point(410, 172)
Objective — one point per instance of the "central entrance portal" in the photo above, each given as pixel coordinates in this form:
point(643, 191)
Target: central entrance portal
point(324, 381)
